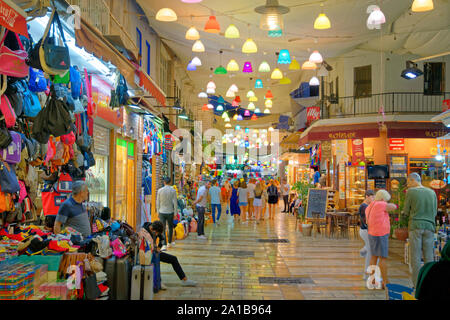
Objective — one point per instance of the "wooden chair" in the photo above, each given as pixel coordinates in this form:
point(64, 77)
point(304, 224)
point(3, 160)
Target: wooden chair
point(319, 223)
point(353, 223)
point(341, 223)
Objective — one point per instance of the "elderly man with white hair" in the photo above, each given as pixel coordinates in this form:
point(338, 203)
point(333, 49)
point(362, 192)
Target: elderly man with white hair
point(200, 204)
point(379, 229)
point(421, 207)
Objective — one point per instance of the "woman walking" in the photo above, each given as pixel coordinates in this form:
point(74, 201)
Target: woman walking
point(272, 192)
point(264, 199)
point(243, 200)
point(225, 199)
point(379, 228)
point(257, 202)
point(234, 201)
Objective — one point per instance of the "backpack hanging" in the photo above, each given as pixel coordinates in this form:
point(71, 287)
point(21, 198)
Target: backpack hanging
point(13, 63)
point(37, 81)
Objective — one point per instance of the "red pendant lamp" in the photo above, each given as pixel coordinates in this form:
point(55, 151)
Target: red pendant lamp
point(205, 107)
point(237, 99)
point(254, 117)
point(212, 25)
point(269, 94)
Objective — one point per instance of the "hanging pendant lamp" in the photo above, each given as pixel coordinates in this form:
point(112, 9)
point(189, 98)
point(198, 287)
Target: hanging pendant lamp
point(422, 5)
point(233, 88)
point(234, 103)
point(230, 94)
point(166, 15)
point(232, 66)
point(210, 106)
point(235, 117)
point(264, 67)
point(257, 110)
point(196, 62)
point(220, 70)
point(202, 95)
point(294, 65)
point(271, 15)
point(275, 33)
point(232, 32)
point(276, 74)
point(198, 46)
point(225, 115)
point(376, 17)
point(227, 125)
point(191, 67)
point(322, 22)
point(211, 84)
point(210, 90)
point(192, 34)
point(316, 57)
point(247, 67)
point(246, 113)
point(258, 84)
point(253, 99)
point(212, 26)
point(249, 46)
point(254, 117)
point(250, 93)
point(268, 103)
point(237, 128)
point(267, 111)
point(238, 99)
point(205, 107)
point(219, 108)
point(308, 65)
point(269, 94)
point(251, 106)
point(285, 80)
point(221, 100)
point(240, 118)
point(314, 81)
point(284, 57)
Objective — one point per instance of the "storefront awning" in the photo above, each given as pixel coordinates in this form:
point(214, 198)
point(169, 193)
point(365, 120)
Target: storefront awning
point(94, 42)
point(416, 129)
point(337, 132)
point(152, 88)
point(291, 141)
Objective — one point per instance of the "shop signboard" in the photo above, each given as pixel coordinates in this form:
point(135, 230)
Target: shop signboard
point(357, 150)
point(12, 19)
point(326, 150)
point(312, 113)
point(445, 105)
point(437, 184)
point(397, 144)
point(317, 202)
point(341, 151)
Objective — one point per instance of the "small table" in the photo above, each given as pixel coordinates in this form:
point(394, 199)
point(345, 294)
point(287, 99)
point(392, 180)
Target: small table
point(334, 217)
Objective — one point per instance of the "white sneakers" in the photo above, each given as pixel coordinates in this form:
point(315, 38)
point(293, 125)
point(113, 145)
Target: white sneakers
point(164, 248)
point(188, 283)
point(172, 243)
point(163, 287)
point(202, 237)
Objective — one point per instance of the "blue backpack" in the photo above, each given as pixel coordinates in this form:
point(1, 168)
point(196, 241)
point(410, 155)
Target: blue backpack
point(37, 81)
point(75, 83)
point(30, 101)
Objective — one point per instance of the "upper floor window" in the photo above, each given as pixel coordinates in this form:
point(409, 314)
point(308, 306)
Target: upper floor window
point(139, 44)
point(362, 81)
point(148, 57)
point(433, 78)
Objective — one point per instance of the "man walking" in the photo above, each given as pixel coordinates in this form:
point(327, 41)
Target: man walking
point(167, 206)
point(200, 204)
point(285, 189)
point(216, 200)
point(421, 207)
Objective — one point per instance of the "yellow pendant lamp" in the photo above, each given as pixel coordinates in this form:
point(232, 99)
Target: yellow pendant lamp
point(294, 65)
point(192, 34)
point(232, 32)
point(268, 103)
point(308, 65)
point(276, 74)
point(232, 66)
point(166, 15)
point(253, 99)
point(249, 46)
point(422, 5)
point(285, 80)
point(322, 22)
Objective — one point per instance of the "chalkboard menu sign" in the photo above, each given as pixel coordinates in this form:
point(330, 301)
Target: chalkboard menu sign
point(317, 202)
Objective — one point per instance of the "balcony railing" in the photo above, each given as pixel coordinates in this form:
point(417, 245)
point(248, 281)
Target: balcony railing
point(393, 103)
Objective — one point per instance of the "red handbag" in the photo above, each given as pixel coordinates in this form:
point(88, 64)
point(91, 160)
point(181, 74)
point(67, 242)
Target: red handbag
point(64, 183)
point(13, 63)
point(8, 112)
point(51, 201)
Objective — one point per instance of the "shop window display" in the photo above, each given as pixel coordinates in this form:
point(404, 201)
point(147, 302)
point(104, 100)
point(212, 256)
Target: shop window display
point(356, 179)
point(97, 179)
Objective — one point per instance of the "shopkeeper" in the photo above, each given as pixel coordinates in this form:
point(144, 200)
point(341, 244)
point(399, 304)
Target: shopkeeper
point(72, 213)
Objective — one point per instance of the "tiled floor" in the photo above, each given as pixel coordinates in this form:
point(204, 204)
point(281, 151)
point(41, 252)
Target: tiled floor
point(334, 265)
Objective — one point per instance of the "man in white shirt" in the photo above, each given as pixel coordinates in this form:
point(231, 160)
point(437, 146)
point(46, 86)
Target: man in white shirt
point(167, 206)
point(251, 196)
point(285, 189)
point(200, 204)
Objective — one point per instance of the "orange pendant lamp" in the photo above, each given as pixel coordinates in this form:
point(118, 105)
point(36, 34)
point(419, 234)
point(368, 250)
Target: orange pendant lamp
point(212, 25)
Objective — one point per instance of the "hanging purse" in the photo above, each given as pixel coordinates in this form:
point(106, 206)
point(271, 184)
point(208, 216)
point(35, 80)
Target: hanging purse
point(8, 178)
point(54, 58)
point(13, 63)
point(64, 183)
point(51, 201)
point(7, 111)
point(11, 154)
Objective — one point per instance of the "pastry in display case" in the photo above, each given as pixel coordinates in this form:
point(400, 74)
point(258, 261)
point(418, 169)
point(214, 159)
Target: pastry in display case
point(356, 177)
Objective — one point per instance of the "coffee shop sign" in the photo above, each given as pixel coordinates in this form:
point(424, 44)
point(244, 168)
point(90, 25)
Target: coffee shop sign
point(342, 135)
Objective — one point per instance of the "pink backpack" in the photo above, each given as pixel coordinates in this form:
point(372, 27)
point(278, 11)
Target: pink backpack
point(8, 112)
point(13, 63)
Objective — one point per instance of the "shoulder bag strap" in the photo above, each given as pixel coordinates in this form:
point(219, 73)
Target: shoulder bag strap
point(60, 28)
point(50, 22)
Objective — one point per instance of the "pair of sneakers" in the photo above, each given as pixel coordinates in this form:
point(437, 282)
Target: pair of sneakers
point(203, 237)
point(164, 247)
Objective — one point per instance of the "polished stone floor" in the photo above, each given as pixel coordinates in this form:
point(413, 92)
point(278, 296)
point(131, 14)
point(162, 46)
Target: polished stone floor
point(229, 264)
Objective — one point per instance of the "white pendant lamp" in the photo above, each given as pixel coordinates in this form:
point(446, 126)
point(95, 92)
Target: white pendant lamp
point(316, 57)
point(251, 106)
point(196, 62)
point(210, 106)
point(202, 95)
point(264, 67)
point(192, 34)
point(230, 94)
point(166, 15)
point(233, 88)
point(266, 111)
point(422, 5)
point(198, 46)
point(210, 90)
point(268, 103)
point(376, 17)
point(314, 81)
point(250, 94)
point(211, 84)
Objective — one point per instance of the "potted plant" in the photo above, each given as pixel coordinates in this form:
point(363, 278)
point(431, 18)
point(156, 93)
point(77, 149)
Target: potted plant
point(400, 223)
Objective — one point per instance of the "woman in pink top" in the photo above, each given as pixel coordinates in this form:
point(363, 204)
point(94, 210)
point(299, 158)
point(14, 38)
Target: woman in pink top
point(377, 218)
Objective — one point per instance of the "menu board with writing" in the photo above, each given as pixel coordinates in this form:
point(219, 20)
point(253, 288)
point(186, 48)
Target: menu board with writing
point(317, 202)
point(398, 167)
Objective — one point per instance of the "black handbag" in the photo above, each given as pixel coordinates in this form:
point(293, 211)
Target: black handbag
point(5, 136)
point(91, 290)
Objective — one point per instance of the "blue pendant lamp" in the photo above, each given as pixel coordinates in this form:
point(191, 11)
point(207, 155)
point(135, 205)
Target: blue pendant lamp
point(258, 84)
point(284, 57)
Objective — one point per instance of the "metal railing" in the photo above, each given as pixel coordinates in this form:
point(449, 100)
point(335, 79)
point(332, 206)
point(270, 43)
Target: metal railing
point(393, 103)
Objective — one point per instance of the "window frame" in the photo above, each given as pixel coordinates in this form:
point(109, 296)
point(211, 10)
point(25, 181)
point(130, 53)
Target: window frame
point(139, 40)
point(358, 84)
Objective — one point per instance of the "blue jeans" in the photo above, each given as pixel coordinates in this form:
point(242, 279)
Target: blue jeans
point(420, 242)
point(215, 207)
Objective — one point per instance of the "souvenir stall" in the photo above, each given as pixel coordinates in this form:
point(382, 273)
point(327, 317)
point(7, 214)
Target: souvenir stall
point(47, 143)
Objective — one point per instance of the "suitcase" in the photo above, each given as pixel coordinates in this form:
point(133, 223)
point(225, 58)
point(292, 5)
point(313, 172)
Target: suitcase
point(118, 274)
point(142, 283)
